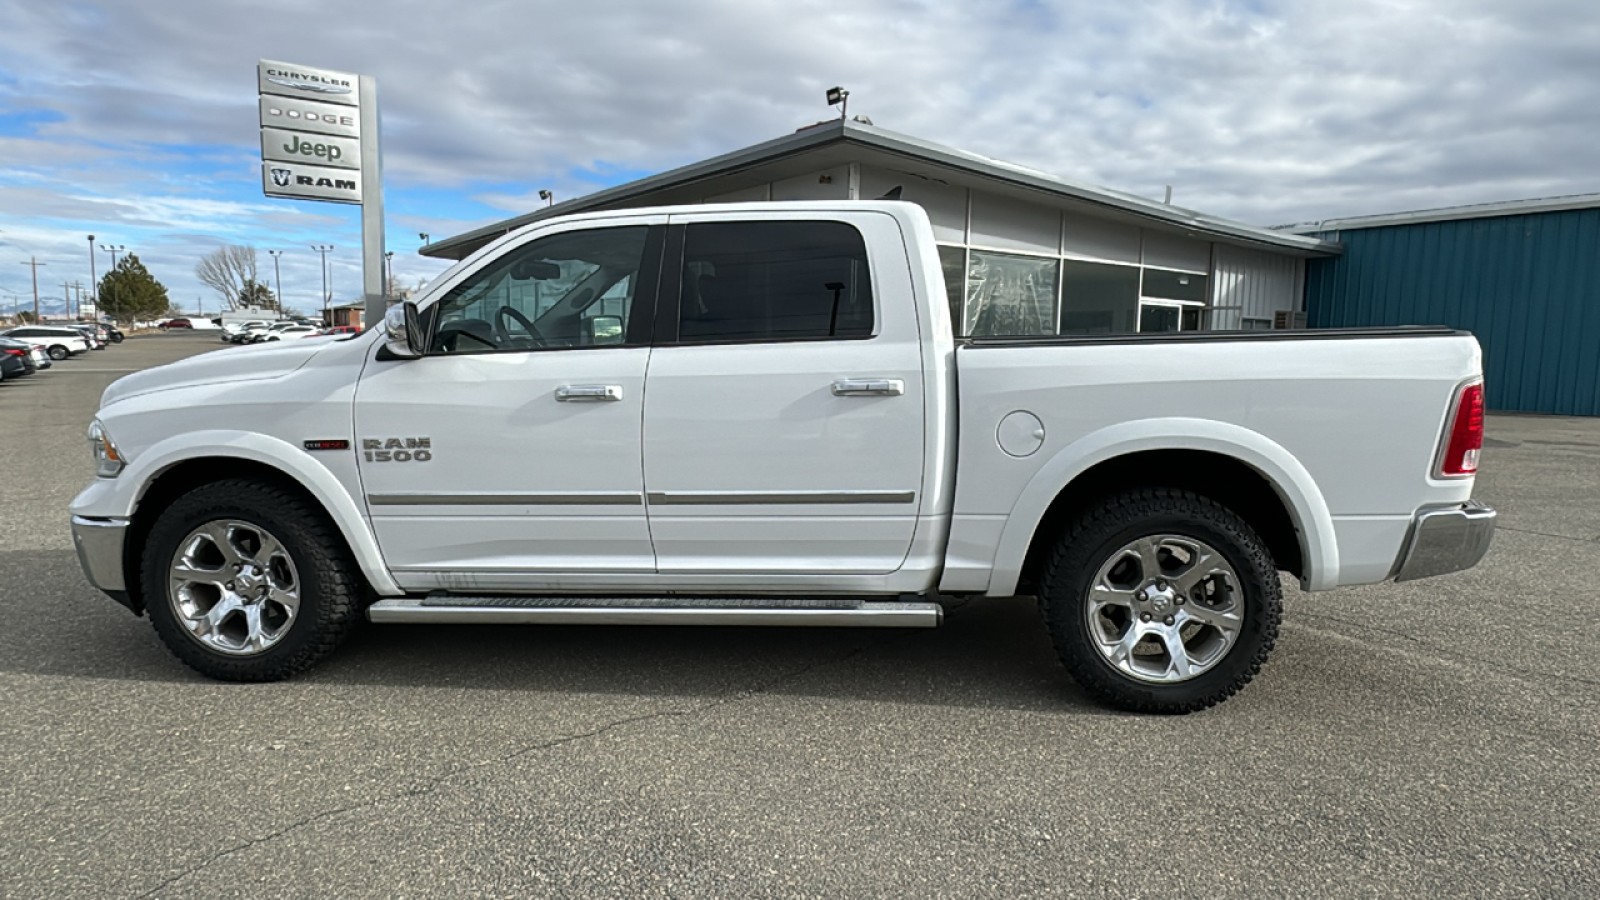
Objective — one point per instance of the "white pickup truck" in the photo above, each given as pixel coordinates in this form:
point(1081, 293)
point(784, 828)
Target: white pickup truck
point(757, 414)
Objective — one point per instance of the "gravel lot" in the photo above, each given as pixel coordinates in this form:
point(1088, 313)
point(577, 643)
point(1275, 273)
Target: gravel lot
point(1436, 738)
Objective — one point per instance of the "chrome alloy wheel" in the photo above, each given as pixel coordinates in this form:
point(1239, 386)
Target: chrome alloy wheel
point(1165, 608)
point(234, 587)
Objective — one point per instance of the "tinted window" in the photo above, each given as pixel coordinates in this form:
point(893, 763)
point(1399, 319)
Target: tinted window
point(1098, 299)
point(574, 289)
point(1174, 285)
point(774, 281)
point(953, 260)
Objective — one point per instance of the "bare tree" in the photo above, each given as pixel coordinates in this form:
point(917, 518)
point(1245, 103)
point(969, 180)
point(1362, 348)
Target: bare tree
point(230, 271)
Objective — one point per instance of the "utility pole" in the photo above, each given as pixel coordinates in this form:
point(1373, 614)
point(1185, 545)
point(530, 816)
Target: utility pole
point(277, 280)
point(113, 249)
point(66, 295)
point(388, 274)
point(325, 249)
point(35, 264)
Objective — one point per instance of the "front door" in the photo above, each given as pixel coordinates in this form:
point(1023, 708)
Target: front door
point(507, 458)
point(784, 411)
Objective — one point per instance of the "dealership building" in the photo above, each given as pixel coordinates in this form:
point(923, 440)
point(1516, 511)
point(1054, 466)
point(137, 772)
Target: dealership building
point(1024, 252)
point(1522, 276)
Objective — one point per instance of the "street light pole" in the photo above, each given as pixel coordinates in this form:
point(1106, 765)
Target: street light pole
point(324, 249)
point(277, 279)
point(388, 273)
point(94, 285)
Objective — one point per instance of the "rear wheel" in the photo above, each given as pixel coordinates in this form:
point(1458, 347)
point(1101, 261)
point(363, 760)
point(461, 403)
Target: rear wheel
point(1161, 600)
point(245, 581)
point(57, 352)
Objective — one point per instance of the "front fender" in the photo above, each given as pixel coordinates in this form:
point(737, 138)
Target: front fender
point(1307, 507)
point(116, 498)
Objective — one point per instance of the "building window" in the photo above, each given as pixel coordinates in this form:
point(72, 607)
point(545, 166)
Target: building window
point(953, 260)
point(1252, 324)
point(1008, 294)
point(1097, 298)
point(1165, 284)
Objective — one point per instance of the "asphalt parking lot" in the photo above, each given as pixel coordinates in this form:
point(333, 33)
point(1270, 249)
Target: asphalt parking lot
point(1435, 738)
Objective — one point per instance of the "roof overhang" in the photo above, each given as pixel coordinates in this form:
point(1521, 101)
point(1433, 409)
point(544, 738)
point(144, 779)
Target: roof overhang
point(840, 142)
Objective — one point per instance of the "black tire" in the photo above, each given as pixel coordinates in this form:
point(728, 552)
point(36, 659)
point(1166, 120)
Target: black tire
point(330, 590)
point(1090, 542)
point(57, 352)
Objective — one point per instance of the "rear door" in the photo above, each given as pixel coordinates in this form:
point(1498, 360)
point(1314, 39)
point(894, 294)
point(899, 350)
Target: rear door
point(783, 420)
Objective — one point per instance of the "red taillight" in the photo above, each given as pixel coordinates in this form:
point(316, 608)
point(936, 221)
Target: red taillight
point(12, 351)
point(1466, 435)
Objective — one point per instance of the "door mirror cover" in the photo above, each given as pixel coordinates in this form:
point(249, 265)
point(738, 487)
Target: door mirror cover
point(402, 328)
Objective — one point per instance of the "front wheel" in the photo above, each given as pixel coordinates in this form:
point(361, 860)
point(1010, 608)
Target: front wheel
point(57, 352)
point(1160, 600)
point(246, 581)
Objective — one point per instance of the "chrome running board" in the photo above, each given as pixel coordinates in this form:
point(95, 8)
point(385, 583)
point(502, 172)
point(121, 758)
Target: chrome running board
point(787, 611)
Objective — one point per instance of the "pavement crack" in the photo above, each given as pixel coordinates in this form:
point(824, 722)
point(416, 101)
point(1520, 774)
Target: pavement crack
point(1562, 537)
point(1512, 671)
point(439, 780)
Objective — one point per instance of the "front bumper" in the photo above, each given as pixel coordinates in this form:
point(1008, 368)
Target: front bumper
point(1446, 539)
point(100, 547)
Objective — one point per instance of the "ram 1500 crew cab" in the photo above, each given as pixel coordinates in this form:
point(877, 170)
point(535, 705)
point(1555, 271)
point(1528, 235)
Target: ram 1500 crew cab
point(758, 414)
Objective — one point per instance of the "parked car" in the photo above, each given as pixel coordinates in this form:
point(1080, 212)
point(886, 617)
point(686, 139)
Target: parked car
point(256, 337)
point(93, 334)
point(233, 331)
point(292, 333)
point(113, 333)
point(177, 323)
point(41, 358)
point(16, 359)
point(59, 342)
point(341, 329)
point(780, 429)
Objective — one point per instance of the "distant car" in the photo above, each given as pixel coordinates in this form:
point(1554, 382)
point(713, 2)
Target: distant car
point(252, 332)
point(16, 359)
point(58, 342)
point(113, 334)
point(341, 329)
point(178, 323)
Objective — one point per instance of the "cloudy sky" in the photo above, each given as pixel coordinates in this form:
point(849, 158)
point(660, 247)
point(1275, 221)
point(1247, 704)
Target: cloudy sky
point(137, 122)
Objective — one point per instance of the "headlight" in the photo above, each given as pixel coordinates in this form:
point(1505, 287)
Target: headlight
point(108, 463)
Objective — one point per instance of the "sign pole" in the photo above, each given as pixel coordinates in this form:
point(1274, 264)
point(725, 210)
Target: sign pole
point(372, 245)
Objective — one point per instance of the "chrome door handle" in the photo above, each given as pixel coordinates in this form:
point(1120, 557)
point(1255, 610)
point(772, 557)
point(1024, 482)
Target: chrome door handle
point(588, 393)
point(869, 387)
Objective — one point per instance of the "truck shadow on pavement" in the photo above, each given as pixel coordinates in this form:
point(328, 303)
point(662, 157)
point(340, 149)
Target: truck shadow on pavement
point(988, 654)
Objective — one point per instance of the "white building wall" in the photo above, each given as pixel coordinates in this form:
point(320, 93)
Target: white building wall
point(1258, 283)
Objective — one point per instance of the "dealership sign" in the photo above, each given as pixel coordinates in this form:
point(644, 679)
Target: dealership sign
point(319, 141)
point(310, 133)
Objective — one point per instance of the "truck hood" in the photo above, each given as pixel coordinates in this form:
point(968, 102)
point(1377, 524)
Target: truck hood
point(253, 362)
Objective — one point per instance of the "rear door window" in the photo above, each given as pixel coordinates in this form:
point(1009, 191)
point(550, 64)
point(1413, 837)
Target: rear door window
point(744, 282)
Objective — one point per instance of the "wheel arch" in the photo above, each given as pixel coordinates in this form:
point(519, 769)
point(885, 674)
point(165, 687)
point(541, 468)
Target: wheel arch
point(204, 464)
point(1239, 468)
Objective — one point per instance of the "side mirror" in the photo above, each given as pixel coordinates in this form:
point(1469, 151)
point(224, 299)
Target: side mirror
point(402, 331)
point(605, 330)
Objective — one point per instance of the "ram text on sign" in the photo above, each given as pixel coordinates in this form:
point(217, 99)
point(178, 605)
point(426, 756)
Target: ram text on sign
point(310, 149)
point(306, 83)
point(308, 115)
point(302, 182)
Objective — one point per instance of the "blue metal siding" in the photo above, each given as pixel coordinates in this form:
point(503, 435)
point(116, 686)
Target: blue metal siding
point(1528, 286)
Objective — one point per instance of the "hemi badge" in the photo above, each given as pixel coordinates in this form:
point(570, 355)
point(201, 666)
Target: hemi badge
point(327, 445)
